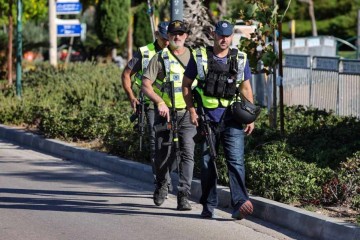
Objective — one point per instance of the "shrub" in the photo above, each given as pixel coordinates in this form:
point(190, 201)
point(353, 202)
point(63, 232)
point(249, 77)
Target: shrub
point(274, 173)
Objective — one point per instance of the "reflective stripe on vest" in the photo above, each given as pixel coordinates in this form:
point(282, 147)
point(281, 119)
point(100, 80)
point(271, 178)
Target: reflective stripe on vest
point(147, 52)
point(173, 72)
point(202, 67)
point(241, 66)
point(199, 64)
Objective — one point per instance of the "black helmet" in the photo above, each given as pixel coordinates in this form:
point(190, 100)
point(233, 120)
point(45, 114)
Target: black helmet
point(245, 112)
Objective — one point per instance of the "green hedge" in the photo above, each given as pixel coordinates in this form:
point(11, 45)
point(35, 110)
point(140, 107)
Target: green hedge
point(316, 161)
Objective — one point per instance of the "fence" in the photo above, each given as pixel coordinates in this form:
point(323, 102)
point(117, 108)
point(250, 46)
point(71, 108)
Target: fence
point(315, 46)
point(326, 83)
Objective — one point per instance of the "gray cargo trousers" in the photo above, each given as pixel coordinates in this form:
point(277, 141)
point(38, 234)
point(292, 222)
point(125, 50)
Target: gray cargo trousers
point(165, 154)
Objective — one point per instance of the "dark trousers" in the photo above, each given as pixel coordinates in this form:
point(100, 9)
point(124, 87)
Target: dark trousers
point(165, 154)
point(150, 117)
point(231, 136)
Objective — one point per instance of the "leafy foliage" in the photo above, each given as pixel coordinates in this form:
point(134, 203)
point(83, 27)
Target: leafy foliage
point(319, 152)
point(267, 17)
point(34, 36)
point(112, 21)
point(276, 174)
point(35, 10)
point(341, 25)
point(142, 30)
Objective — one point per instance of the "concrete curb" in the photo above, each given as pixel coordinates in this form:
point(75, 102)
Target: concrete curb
point(298, 220)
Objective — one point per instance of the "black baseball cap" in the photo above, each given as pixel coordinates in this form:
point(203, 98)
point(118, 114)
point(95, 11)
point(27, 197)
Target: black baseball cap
point(224, 28)
point(162, 29)
point(177, 26)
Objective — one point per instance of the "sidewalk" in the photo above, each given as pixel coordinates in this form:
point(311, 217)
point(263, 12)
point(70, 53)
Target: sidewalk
point(304, 222)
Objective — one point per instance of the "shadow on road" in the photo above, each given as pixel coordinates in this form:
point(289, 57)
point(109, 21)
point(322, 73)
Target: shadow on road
point(65, 201)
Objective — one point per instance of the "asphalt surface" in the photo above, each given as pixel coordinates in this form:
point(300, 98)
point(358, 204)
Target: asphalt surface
point(291, 222)
point(47, 197)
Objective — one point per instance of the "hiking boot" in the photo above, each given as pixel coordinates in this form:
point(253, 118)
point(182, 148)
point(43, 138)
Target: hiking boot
point(160, 193)
point(170, 188)
point(206, 213)
point(183, 202)
point(245, 209)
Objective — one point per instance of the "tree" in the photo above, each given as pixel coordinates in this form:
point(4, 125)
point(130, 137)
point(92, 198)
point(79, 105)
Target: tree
point(312, 16)
point(199, 23)
point(142, 29)
point(88, 3)
point(10, 45)
point(112, 21)
point(342, 24)
point(32, 9)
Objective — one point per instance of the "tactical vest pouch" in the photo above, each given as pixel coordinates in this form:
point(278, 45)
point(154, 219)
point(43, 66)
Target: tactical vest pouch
point(219, 85)
point(210, 84)
point(230, 89)
point(220, 81)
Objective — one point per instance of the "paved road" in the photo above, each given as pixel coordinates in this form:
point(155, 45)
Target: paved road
point(43, 198)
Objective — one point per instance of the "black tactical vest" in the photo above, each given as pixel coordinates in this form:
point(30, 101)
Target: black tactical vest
point(220, 81)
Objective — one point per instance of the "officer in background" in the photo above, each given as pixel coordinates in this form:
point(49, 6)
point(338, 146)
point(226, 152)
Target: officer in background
point(136, 66)
point(221, 72)
point(168, 66)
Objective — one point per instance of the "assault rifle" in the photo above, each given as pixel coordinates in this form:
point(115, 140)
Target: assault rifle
point(140, 116)
point(168, 87)
point(204, 132)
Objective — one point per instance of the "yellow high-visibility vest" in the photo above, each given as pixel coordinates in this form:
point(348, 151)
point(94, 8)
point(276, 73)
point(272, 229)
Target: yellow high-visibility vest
point(174, 71)
point(147, 52)
point(201, 60)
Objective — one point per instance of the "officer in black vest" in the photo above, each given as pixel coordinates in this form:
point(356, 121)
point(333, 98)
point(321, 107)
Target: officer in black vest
point(221, 73)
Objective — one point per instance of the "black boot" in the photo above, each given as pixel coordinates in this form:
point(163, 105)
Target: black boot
point(183, 202)
point(160, 193)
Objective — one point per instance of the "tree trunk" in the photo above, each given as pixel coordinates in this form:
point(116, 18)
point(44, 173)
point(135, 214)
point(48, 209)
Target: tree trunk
point(312, 16)
point(10, 45)
point(222, 6)
point(129, 39)
point(209, 12)
point(199, 24)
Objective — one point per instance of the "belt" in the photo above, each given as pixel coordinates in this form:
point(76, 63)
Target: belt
point(180, 110)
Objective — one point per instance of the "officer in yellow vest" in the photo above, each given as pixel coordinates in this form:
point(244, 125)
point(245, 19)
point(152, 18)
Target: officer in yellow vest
point(221, 73)
point(136, 66)
point(166, 67)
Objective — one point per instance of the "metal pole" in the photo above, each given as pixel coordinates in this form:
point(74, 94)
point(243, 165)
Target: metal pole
point(19, 48)
point(293, 30)
point(177, 7)
point(151, 16)
point(358, 37)
point(10, 44)
point(281, 89)
point(68, 56)
point(274, 110)
point(52, 33)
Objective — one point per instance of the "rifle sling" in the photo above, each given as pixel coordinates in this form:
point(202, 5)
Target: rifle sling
point(181, 63)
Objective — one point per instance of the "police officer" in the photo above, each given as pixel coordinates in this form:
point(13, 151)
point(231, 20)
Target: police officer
point(165, 67)
point(136, 66)
point(221, 72)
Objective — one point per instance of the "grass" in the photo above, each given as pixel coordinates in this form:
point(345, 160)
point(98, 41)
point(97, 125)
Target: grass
point(347, 54)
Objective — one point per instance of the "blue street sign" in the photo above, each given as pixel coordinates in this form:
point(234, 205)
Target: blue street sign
point(68, 8)
point(68, 30)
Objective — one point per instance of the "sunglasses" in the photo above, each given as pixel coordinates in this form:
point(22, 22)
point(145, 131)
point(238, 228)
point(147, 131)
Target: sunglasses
point(177, 34)
point(164, 39)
